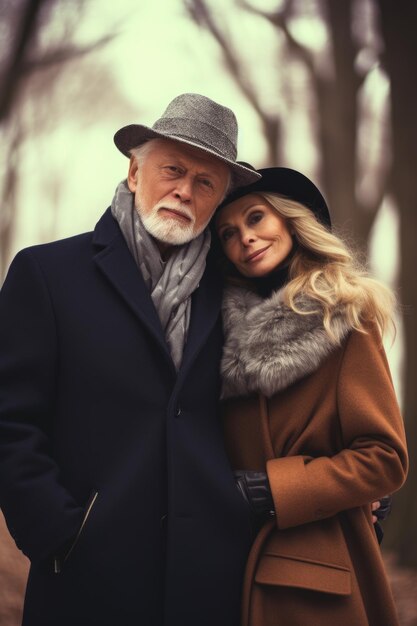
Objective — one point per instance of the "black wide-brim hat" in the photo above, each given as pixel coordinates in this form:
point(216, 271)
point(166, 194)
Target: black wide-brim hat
point(197, 121)
point(289, 183)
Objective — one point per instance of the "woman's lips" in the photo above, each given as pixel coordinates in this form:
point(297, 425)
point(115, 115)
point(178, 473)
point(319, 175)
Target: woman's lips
point(177, 214)
point(255, 256)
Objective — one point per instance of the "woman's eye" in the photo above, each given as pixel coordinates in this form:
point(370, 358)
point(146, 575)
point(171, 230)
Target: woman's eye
point(254, 218)
point(226, 234)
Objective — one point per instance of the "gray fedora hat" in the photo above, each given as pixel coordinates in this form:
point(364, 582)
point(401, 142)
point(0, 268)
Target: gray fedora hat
point(197, 121)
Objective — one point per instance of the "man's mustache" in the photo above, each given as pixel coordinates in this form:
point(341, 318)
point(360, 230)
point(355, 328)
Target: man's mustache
point(179, 207)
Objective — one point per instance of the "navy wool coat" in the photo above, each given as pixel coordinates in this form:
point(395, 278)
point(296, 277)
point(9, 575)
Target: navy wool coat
point(101, 439)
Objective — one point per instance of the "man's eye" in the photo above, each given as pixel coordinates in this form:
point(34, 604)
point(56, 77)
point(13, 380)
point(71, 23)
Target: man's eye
point(172, 168)
point(206, 183)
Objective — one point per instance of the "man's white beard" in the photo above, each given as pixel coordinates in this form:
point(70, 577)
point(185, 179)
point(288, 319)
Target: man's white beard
point(170, 230)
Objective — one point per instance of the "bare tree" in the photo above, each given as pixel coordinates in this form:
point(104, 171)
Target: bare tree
point(200, 12)
point(398, 27)
point(25, 22)
point(24, 55)
point(335, 94)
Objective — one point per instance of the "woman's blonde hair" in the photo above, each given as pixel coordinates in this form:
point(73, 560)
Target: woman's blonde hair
point(323, 268)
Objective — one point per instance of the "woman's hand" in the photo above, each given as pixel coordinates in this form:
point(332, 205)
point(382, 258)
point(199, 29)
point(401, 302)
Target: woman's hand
point(381, 509)
point(255, 490)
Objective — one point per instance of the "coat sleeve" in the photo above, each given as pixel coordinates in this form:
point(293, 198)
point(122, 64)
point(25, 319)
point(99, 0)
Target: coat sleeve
point(373, 461)
point(40, 513)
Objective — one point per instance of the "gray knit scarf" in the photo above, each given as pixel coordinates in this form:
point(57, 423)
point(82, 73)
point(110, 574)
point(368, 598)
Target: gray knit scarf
point(170, 283)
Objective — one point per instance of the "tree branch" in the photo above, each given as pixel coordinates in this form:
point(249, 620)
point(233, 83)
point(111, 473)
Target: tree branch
point(279, 19)
point(200, 13)
point(61, 55)
point(24, 35)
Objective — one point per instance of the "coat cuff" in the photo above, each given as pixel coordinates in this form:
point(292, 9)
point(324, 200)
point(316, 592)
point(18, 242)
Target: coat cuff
point(292, 497)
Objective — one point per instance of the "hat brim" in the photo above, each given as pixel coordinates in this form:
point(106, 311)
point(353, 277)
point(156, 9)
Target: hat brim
point(134, 135)
point(291, 184)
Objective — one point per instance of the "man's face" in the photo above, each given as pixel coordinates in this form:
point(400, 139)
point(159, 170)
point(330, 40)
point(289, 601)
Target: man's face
point(177, 189)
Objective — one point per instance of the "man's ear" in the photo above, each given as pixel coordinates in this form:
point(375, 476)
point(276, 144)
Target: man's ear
point(132, 175)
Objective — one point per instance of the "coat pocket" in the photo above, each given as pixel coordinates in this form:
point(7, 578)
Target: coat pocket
point(288, 571)
point(59, 561)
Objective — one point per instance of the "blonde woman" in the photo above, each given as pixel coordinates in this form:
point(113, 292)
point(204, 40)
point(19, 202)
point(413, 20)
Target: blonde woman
point(311, 421)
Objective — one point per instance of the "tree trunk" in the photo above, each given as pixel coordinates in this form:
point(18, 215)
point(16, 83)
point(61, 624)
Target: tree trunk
point(337, 101)
point(398, 21)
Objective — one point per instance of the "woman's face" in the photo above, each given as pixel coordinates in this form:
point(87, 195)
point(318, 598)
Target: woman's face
point(254, 237)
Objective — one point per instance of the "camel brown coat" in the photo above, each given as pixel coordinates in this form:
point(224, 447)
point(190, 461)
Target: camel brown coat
point(331, 441)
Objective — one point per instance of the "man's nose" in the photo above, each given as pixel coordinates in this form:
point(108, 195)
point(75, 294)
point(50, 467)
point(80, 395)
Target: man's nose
point(184, 189)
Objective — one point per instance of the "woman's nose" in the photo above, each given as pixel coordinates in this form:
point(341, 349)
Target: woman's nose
point(247, 237)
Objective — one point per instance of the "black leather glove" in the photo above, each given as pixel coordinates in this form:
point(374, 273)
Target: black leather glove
point(385, 508)
point(255, 489)
point(381, 514)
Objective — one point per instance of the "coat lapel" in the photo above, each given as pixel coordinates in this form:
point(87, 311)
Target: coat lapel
point(205, 311)
point(114, 260)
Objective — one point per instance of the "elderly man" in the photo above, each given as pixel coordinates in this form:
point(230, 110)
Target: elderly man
point(113, 476)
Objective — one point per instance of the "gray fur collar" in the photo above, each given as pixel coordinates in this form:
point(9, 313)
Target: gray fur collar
point(268, 346)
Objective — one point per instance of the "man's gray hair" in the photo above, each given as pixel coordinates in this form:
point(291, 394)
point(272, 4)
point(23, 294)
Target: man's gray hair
point(141, 152)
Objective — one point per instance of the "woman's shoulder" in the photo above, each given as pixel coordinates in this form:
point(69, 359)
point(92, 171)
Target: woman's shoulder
point(368, 334)
point(367, 343)
point(363, 355)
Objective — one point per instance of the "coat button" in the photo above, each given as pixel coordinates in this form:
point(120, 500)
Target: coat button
point(178, 412)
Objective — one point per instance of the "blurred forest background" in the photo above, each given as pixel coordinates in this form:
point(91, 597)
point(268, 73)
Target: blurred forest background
point(324, 86)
